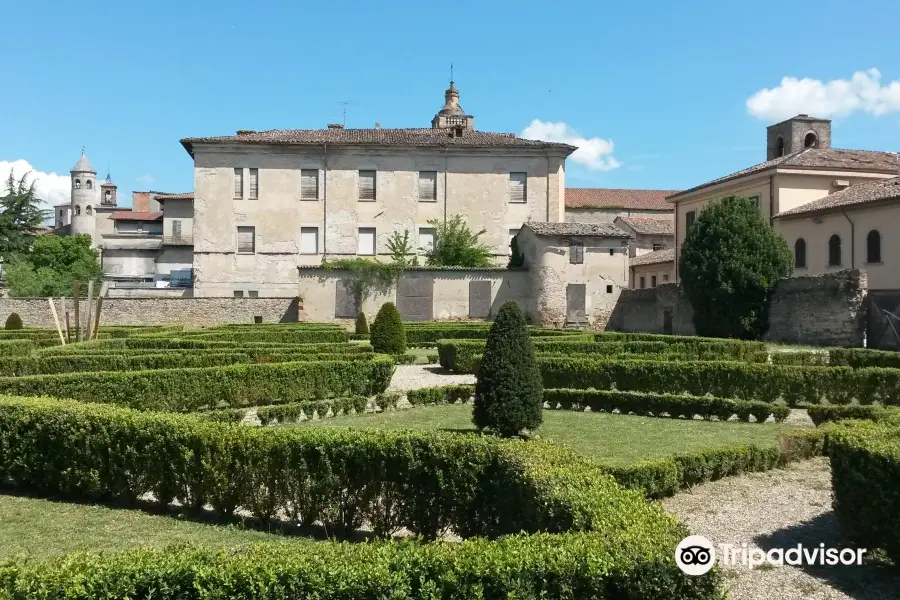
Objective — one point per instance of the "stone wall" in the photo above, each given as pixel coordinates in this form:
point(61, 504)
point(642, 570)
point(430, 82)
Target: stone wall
point(192, 312)
point(828, 310)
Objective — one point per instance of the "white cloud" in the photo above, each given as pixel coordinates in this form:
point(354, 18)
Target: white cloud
point(836, 98)
point(51, 188)
point(594, 153)
point(146, 179)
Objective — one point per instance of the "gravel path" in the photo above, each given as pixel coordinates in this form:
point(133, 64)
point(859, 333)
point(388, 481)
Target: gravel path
point(780, 509)
point(411, 377)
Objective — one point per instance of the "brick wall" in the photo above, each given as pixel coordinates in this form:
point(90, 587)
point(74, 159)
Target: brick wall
point(825, 310)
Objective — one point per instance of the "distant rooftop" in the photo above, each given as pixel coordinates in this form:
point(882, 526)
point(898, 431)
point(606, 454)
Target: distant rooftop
point(649, 226)
point(618, 198)
point(855, 195)
point(653, 258)
point(591, 229)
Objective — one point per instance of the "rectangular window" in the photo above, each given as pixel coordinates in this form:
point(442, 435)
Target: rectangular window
point(612, 251)
point(755, 200)
point(246, 239)
point(657, 246)
point(518, 187)
point(367, 185)
point(309, 240)
point(665, 277)
point(512, 233)
point(653, 281)
point(176, 230)
point(427, 186)
point(576, 253)
point(426, 238)
point(366, 240)
point(309, 184)
point(238, 184)
point(689, 219)
point(254, 184)
point(609, 289)
point(643, 283)
point(238, 293)
point(253, 293)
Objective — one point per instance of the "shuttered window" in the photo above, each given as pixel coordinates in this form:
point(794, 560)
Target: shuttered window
point(426, 238)
point(576, 253)
point(176, 229)
point(367, 185)
point(689, 219)
point(309, 184)
point(246, 238)
point(518, 184)
point(427, 186)
point(254, 184)
point(366, 240)
point(238, 293)
point(309, 240)
point(253, 293)
point(239, 184)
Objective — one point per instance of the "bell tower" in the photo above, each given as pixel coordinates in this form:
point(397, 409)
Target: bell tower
point(452, 116)
point(84, 197)
point(108, 193)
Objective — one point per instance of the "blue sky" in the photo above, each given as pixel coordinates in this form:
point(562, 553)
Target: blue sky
point(660, 90)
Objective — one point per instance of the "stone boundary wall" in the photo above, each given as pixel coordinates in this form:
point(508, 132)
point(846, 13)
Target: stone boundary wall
point(191, 312)
point(826, 310)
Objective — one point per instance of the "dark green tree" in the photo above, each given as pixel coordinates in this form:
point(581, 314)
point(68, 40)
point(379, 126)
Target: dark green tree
point(20, 217)
point(508, 393)
point(455, 245)
point(51, 266)
point(13, 321)
point(730, 263)
point(387, 335)
point(516, 258)
point(362, 326)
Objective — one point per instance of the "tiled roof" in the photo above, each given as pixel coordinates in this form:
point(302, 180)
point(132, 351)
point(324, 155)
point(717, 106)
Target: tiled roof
point(835, 159)
point(618, 198)
point(83, 166)
point(377, 137)
point(597, 229)
point(163, 197)
point(649, 226)
point(653, 258)
point(130, 215)
point(861, 193)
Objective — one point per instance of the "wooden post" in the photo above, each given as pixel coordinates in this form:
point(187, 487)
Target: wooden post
point(75, 290)
point(62, 340)
point(63, 311)
point(68, 328)
point(100, 295)
point(88, 325)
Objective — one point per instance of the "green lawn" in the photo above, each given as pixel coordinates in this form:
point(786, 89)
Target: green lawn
point(44, 529)
point(614, 439)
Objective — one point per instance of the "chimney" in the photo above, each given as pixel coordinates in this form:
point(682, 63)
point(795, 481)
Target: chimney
point(335, 126)
point(377, 125)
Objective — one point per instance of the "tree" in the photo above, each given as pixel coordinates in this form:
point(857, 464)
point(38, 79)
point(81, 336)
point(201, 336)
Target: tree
point(362, 326)
point(508, 393)
point(13, 321)
point(401, 248)
point(455, 245)
point(516, 258)
point(730, 262)
point(20, 217)
point(386, 334)
point(52, 265)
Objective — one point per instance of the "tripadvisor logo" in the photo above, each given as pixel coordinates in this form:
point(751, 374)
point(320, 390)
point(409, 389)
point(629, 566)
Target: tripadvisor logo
point(695, 555)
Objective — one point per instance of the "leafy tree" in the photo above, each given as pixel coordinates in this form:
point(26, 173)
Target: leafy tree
point(508, 392)
point(401, 248)
point(516, 258)
point(362, 326)
point(52, 265)
point(20, 217)
point(387, 334)
point(455, 245)
point(13, 321)
point(731, 260)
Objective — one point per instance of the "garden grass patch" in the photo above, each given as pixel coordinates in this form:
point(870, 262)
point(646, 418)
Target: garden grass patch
point(613, 439)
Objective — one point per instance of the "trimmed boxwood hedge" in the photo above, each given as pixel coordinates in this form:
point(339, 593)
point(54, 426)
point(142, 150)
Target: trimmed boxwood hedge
point(141, 345)
point(16, 347)
point(829, 413)
point(293, 411)
point(190, 389)
point(425, 482)
point(295, 336)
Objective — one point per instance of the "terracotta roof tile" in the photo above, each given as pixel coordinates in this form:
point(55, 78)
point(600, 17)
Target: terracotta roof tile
point(649, 226)
point(597, 229)
point(861, 193)
point(130, 215)
point(618, 198)
point(164, 197)
point(653, 258)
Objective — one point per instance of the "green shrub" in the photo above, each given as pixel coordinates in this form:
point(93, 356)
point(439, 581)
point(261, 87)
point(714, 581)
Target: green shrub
point(288, 336)
point(800, 358)
point(191, 389)
point(294, 411)
point(865, 477)
point(225, 415)
point(387, 334)
point(145, 345)
point(362, 326)
point(432, 359)
point(826, 413)
point(860, 358)
point(16, 347)
point(508, 389)
point(445, 394)
point(13, 322)
point(405, 359)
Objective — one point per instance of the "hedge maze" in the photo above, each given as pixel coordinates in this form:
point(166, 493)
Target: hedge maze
point(158, 415)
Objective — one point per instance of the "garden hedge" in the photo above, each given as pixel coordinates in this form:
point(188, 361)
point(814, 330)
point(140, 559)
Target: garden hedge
point(16, 347)
point(140, 346)
point(420, 333)
point(292, 336)
point(829, 413)
point(293, 411)
point(608, 542)
point(190, 389)
point(857, 358)
point(865, 478)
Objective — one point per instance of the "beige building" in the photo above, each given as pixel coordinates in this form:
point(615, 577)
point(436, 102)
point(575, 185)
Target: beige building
point(647, 235)
point(605, 205)
point(267, 202)
point(801, 168)
point(652, 269)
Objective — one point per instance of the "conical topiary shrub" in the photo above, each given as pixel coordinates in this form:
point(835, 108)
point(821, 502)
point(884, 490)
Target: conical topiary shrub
point(14, 321)
point(508, 393)
point(362, 326)
point(387, 335)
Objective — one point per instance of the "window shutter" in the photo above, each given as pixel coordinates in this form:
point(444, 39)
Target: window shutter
point(309, 240)
point(426, 239)
point(246, 239)
point(576, 253)
point(367, 185)
point(366, 240)
point(309, 184)
point(239, 184)
point(427, 185)
point(518, 183)
point(176, 229)
point(254, 184)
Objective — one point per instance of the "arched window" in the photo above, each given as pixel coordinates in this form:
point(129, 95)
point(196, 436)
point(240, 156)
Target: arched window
point(77, 210)
point(811, 140)
point(108, 195)
point(834, 251)
point(800, 254)
point(89, 184)
point(873, 247)
point(779, 146)
point(77, 184)
point(88, 210)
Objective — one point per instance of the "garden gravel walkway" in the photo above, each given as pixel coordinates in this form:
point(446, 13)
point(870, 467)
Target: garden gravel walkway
point(780, 509)
point(413, 377)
